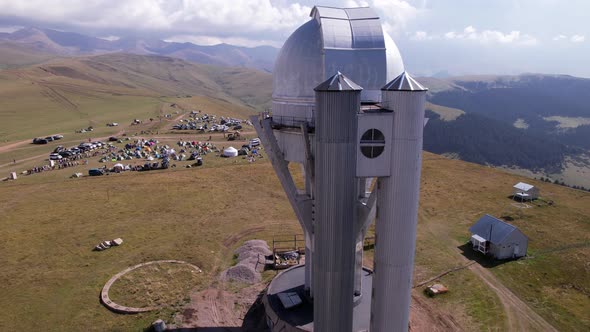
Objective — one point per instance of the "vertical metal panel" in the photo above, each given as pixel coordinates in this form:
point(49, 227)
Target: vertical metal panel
point(367, 34)
point(366, 67)
point(337, 33)
point(398, 214)
point(335, 217)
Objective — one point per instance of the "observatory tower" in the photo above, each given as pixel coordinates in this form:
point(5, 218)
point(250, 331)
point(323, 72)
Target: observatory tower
point(345, 110)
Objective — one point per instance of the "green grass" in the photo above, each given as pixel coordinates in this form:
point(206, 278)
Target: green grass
point(156, 285)
point(64, 95)
point(460, 193)
point(50, 224)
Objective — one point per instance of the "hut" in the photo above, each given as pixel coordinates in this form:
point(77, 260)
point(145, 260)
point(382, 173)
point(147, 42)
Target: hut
point(525, 191)
point(496, 238)
point(230, 152)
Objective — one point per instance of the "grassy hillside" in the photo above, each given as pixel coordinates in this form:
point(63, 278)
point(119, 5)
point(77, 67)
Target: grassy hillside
point(14, 55)
point(188, 214)
point(68, 94)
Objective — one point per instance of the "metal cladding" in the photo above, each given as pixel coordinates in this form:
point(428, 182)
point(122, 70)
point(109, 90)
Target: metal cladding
point(338, 82)
point(343, 144)
point(337, 102)
point(397, 219)
point(404, 82)
point(349, 40)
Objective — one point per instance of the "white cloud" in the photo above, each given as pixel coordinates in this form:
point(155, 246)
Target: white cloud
point(492, 36)
point(244, 18)
point(395, 14)
point(110, 38)
point(573, 38)
point(213, 40)
point(354, 3)
point(421, 35)
point(577, 39)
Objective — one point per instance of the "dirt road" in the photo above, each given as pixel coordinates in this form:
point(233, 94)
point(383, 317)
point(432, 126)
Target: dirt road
point(520, 317)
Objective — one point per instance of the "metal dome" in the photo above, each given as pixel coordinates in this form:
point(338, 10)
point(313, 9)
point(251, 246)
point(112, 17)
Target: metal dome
point(348, 40)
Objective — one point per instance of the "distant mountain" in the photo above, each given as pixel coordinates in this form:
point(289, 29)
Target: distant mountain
point(535, 122)
point(148, 75)
point(70, 43)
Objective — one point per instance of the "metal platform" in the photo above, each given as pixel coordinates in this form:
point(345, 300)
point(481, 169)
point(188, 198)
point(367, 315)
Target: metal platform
point(300, 317)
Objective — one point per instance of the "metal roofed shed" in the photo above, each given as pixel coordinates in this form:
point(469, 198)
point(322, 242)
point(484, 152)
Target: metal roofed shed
point(496, 238)
point(525, 191)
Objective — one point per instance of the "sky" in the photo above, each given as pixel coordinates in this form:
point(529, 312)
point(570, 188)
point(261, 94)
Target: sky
point(459, 37)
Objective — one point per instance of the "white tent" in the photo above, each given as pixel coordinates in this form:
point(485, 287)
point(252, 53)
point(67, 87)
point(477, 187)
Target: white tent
point(230, 152)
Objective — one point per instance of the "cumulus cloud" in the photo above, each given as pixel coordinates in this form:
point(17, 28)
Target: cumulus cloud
point(421, 35)
point(395, 14)
point(244, 18)
point(573, 38)
point(492, 36)
point(355, 3)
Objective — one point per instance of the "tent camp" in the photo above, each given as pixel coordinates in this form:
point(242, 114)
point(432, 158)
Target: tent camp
point(230, 152)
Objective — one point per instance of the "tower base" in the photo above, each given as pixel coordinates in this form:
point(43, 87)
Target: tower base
point(300, 317)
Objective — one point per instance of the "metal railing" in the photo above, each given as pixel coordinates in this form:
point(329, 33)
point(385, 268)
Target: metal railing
point(288, 121)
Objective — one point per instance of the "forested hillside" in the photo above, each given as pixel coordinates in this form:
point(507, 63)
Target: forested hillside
point(482, 140)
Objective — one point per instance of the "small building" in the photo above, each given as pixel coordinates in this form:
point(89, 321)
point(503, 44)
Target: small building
point(496, 238)
point(525, 191)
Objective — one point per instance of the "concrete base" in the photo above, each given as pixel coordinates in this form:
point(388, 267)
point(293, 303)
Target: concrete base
point(300, 318)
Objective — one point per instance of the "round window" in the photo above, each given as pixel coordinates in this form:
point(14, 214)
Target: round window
point(372, 143)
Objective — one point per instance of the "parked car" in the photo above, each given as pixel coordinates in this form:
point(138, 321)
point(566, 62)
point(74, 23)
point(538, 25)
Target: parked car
point(59, 149)
point(113, 139)
point(55, 156)
point(56, 137)
point(75, 150)
point(40, 141)
point(49, 138)
point(95, 172)
point(66, 153)
point(255, 142)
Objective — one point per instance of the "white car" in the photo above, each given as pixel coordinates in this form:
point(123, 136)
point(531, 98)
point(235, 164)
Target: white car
point(55, 156)
point(255, 142)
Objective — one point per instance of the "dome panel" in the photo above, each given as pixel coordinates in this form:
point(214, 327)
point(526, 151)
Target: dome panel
point(350, 41)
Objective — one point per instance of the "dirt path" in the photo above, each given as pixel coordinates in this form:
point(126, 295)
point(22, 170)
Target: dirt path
point(12, 146)
point(520, 317)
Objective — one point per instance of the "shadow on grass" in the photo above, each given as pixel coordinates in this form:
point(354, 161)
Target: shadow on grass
point(254, 321)
point(483, 260)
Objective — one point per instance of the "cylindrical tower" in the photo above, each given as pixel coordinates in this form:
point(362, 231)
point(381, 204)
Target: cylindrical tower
point(397, 207)
point(337, 103)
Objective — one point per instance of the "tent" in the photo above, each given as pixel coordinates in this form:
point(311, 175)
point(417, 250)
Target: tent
point(230, 152)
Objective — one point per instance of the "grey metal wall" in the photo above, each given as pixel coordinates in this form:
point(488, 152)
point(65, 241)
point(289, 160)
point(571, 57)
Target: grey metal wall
point(397, 214)
point(335, 211)
point(505, 250)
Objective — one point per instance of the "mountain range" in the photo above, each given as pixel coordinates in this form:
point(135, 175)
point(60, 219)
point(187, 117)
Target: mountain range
point(536, 122)
point(539, 123)
point(48, 42)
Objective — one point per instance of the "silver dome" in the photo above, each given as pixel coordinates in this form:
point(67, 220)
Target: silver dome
point(347, 40)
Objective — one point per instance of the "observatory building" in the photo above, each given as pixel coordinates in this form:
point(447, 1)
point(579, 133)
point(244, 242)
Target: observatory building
point(345, 110)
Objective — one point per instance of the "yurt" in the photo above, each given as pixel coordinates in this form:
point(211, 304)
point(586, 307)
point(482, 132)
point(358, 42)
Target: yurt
point(230, 152)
